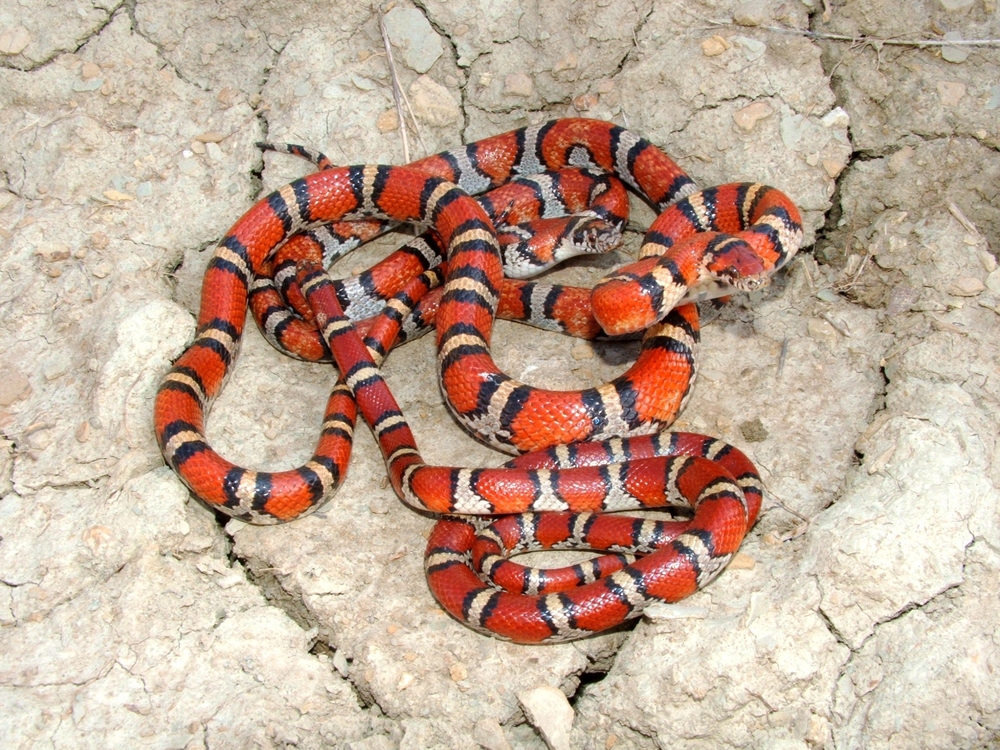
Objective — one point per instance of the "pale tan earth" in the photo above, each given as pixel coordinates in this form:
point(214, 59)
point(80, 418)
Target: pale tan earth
point(864, 382)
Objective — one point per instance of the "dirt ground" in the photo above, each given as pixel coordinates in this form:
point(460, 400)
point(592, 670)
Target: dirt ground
point(864, 381)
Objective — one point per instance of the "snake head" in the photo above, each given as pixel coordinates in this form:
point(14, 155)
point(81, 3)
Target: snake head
point(732, 261)
point(593, 235)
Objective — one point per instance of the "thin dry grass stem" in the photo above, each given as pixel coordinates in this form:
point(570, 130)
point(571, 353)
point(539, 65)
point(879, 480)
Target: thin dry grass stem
point(404, 112)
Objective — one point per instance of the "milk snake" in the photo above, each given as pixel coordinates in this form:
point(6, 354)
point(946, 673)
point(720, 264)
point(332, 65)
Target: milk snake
point(684, 247)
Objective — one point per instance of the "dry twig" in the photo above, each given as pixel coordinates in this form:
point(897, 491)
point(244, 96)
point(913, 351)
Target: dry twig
point(399, 96)
point(872, 40)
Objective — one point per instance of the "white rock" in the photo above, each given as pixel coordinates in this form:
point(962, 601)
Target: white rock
point(549, 712)
point(836, 118)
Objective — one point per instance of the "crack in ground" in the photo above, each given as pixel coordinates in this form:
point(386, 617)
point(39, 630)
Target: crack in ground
point(130, 6)
point(56, 54)
point(271, 588)
point(855, 652)
point(636, 30)
point(264, 578)
point(260, 113)
point(261, 576)
point(463, 105)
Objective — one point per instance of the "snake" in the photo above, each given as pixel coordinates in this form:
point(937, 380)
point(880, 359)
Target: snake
point(695, 238)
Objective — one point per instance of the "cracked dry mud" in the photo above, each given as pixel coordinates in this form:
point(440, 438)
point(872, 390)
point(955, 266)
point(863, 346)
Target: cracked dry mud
point(864, 382)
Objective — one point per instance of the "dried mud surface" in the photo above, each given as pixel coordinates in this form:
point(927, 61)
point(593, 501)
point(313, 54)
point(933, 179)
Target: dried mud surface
point(864, 382)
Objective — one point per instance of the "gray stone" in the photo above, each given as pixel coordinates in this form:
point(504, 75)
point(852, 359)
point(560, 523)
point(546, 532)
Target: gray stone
point(410, 31)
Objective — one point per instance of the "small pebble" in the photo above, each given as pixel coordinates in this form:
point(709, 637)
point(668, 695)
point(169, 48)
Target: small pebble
point(13, 41)
point(433, 103)
point(365, 84)
point(833, 167)
point(228, 581)
point(582, 351)
point(53, 252)
point(753, 431)
point(90, 70)
point(518, 84)
point(956, 5)
point(952, 53)
point(993, 281)
point(458, 671)
point(585, 102)
point(549, 712)
point(13, 385)
point(489, 734)
point(715, 45)
point(214, 151)
point(144, 190)
point(742, 561)
point(950, 92)
point(994, 101)
point(188, 165)
point(836, 118)
point(227, 96)
point(752, 13)
point(117, 195)
point(40, 439)
point(752, 48)
point(388, 121)
point(748, 117)
point(340, 663)
point(212, 136)
point(82, 433)
point(966, 286)
point(54, 369)
point(570, 62)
